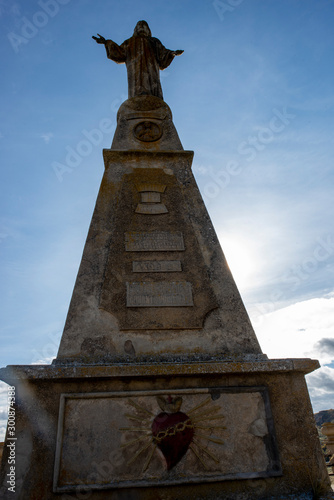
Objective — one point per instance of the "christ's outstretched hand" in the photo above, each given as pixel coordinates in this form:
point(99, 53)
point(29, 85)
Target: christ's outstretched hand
point(101, 39)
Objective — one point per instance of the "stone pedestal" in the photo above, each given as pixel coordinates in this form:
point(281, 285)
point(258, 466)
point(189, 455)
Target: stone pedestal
point(160, 389)
point(245, 431)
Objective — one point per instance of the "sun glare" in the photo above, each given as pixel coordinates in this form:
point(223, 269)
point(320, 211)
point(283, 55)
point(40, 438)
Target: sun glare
point(240, 259)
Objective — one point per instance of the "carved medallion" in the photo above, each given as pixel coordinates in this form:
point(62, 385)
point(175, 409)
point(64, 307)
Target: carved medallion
point(147, 131)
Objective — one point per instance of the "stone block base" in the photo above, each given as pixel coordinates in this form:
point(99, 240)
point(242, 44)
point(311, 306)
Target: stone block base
point(211, 430)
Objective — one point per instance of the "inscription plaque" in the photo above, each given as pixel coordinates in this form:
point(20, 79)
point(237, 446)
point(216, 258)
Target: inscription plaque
point(159, 294)
point(156, 266)
point(158, 241)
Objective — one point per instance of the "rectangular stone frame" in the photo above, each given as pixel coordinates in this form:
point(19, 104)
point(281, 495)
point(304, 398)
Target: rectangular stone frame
point(270, 443)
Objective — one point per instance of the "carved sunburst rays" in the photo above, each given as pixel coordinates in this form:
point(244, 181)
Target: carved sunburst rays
point(202, 419)
point(205, 418)
point(144, 428)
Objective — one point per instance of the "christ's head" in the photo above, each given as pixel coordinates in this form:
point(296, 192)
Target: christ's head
point(142, 29)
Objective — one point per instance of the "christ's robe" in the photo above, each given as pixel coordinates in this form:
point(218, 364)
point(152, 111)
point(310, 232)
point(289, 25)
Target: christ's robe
point(144, 56)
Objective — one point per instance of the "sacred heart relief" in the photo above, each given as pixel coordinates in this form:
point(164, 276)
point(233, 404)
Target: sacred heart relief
point(174, 432)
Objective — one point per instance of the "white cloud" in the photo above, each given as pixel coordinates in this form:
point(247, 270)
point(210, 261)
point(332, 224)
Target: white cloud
point(304, 329)
point(45, 361)
point(321, 388)
point(298, 330)
point(47, 137)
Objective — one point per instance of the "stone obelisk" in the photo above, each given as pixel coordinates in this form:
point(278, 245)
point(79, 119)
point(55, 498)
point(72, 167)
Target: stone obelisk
point(159, 388)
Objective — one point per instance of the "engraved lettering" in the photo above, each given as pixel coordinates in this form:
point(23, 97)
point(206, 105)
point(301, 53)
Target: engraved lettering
point(158, 241)
point(156, 266)
point(159, 294)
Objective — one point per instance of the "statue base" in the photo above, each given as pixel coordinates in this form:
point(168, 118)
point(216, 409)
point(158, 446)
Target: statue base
point(210, 430)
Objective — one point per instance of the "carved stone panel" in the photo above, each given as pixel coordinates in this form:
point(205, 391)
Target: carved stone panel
point(167, 243)
point(156, 266)
point(159, 294)
point(156, 241)
point(151, 199)
point(155, 438)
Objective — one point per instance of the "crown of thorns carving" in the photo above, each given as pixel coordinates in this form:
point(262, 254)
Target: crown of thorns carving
point(173, 430)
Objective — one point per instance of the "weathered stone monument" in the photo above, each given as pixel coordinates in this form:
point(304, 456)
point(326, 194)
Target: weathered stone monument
point(160, 389)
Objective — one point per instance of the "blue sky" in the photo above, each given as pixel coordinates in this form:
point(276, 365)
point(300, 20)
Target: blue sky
point(252, 95)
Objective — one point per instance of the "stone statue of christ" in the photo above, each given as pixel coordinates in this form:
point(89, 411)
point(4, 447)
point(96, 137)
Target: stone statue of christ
point(144, 56)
